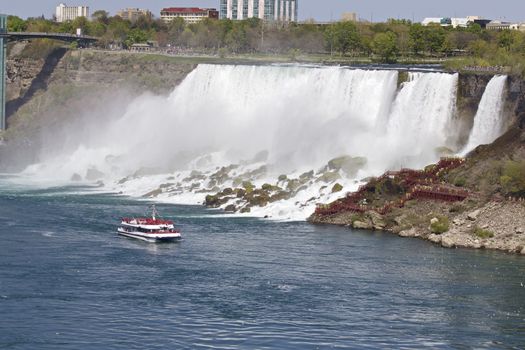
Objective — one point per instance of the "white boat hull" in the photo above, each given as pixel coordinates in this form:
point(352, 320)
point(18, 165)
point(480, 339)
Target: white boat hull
point(150, 237)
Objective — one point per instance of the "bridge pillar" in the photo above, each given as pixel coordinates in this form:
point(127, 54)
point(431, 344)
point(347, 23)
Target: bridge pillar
point(3, 69)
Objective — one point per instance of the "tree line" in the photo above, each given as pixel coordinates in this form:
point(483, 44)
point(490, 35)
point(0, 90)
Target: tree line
point(386, 42)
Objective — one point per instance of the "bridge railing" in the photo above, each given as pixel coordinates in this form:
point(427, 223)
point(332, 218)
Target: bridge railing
point(56, 35)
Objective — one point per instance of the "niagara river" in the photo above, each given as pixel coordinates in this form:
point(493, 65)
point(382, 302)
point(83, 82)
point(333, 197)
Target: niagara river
point(67, 282)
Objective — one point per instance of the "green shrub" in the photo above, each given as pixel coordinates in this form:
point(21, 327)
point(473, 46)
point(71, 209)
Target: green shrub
point(457, 208)
point(513, 179)
point(441, 226)
point(460, 182)
point(481, 233)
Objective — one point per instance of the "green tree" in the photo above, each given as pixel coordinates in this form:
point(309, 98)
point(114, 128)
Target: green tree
point(236, 39)
point(346, 37)
point(505, 39)
point(136, 36)
point(417, 38)
point(479, 48)
point(83, 24)
point(513, 178)
point(101, 16)
point(16, 24)
point(385, 46)
point(434, 38)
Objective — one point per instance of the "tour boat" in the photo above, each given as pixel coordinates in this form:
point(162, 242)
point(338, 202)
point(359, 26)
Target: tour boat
point(149, 229)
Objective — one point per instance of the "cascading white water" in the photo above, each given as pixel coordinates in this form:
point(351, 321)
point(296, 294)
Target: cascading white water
point(420, 115)
point(488, 124)
point(302, 117)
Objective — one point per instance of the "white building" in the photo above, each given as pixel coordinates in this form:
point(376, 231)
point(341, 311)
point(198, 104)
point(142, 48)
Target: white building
point(498, 25)
point(269, 10)
point(188, 14)
point(455, 22)
point(66, 13)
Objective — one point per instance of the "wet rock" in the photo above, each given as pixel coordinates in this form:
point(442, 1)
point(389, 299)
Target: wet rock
point(230, 208)
point(93, 174)
point(447, 242)
point(260, 157)
point(328, 177)
point(435, 238)
point(166, 185)
point(215, 201)
point(408, 233)
point(306, 176)
point(282, 178)
point(337, 188)
point(519, 230)
point(282, 195)
point(246, 210)
point(153, 193)
point(377, 220)
point(293, 185)
point(146, 171)
point(400, 220)
point(222, 175)
point(227, 191)
point(195, 176)
point(121, 181)
point(76, 177)
point(270, 188)
point(474, 215)
point(361, 225)
point(350, 165)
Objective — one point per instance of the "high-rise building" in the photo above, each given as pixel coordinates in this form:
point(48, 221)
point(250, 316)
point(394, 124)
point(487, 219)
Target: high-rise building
point(132, 14)
point(189, 14)
point(269, 10)
point(66, 13)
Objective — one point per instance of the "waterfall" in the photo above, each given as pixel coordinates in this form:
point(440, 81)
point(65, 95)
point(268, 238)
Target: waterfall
point(488, 124)
point(420, 115)
point(289, 119)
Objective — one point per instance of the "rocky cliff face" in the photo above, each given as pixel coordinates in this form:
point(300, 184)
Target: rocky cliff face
point(517, 99)
point(44, 93)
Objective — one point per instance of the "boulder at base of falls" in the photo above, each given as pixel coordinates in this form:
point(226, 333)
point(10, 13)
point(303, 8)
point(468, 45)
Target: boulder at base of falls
point(76, 177)
point(350, 165)
point(93, 174)
point(361, 225)
point(153, 193)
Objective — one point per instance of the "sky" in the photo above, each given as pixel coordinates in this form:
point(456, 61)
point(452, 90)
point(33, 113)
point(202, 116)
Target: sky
point(320, 10)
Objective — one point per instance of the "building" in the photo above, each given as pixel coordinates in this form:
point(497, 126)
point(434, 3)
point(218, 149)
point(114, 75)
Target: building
point(66, 13)
point(454, 22)
point(482, 22)
point(132, 14)
point(498, 25)
point(349, 16)
point(140, 48)
point(268, 10)
point(189, 14)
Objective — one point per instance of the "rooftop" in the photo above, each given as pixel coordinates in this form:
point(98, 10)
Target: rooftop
point(186, 9)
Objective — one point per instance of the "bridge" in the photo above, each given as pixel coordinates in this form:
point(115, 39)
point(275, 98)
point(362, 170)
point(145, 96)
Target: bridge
point(6, 36)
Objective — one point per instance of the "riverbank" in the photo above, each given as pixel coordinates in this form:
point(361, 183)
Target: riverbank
point(474, 207)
